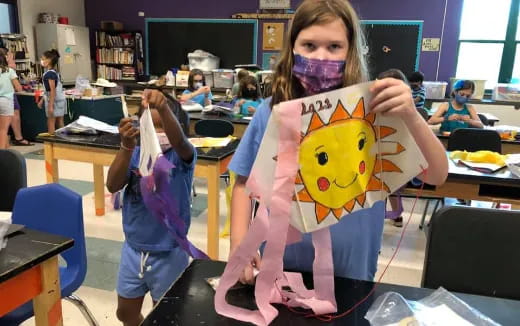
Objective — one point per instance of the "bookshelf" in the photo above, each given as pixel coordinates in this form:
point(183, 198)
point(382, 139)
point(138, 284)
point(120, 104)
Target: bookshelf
point(17, 44)
point(119, 55)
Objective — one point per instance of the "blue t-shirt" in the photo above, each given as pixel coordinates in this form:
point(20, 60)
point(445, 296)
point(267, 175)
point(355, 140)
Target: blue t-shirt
point(356, 238)
point(143, 231)
point(50, 75)
point(244, 108)
point(199, 98)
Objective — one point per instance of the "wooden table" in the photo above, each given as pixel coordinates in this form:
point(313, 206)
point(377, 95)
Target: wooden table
point(29, 270)
point(190, 301)
point(101, 151)
point(464, 183)
point(240, 124)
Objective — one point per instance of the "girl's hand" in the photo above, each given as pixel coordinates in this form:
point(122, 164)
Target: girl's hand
point(248, 275)
point(40, 104)
point(465, 117)
point(128, 133)
point(242, 101)
point(454, 117)
point(205, 90)
point(393, 97)
point(155, 99)
point(251, 109)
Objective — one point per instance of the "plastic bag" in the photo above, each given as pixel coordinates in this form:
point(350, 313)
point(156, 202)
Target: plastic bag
point(82, 83)
point(439, 308)
point(5, 222)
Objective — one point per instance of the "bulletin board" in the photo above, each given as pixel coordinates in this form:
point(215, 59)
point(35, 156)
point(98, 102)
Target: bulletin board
point(393, 44)
point(169, 40)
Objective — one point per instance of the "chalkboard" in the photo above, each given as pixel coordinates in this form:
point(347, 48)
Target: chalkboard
point(168, 41)
point(393, 44)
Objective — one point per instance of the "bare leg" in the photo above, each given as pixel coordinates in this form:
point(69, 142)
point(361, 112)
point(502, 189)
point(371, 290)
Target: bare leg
point(394, 203)
point(5, 120)
point(51, 125)
point(129, 311)
point(15, 124)
point(60, 123)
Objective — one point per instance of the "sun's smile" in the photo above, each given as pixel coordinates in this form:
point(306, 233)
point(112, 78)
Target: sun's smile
point(342, 150)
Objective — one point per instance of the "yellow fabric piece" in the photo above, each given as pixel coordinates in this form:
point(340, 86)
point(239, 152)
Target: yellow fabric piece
point(479, 157)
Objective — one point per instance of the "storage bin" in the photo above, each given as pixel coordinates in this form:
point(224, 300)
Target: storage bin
point(181, 79)
point(223, 78)
point(208, 76)
point(480, 86)
point(506, 92)
point(435, 89)
point(203, 60)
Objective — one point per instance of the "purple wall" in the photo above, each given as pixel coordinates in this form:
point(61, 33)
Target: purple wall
point(431, 12)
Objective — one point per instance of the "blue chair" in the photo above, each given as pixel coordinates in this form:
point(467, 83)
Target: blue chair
point(54, 209)
point(14, 180)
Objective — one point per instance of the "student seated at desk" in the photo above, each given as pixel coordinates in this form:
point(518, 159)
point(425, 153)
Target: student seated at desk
point(197, 90)
point(236, 86)
point(249, 96)
point(456, 113)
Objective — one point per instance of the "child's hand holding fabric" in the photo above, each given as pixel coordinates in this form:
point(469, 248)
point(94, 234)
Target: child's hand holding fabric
point(155, 99)
point(128, 133)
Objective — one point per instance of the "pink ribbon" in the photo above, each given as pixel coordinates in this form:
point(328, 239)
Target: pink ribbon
point(271, 224)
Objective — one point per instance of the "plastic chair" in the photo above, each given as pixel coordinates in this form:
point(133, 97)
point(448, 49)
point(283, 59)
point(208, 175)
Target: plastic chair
point(12, 178)
point(55, 209)
point(214, 128)
point(472, 250)
point(483, 119)
point(472, 140)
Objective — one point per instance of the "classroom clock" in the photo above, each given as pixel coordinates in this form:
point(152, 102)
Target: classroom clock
point(275, 4)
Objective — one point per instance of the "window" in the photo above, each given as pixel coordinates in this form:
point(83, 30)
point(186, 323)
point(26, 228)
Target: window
point(489, 35)
point(8, 16)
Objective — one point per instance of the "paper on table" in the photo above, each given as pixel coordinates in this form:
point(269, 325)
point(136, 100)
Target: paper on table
point(96, 124)
point(481, 167)
point(211, 141)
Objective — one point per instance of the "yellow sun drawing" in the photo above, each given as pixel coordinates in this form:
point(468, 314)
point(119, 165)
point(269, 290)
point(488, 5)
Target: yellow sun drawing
point(339, 163)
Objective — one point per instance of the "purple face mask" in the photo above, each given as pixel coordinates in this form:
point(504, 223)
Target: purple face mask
point(318, 76)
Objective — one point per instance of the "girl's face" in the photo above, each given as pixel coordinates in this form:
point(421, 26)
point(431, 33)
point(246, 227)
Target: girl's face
point(197, 81)
point(44, 62)
point(467, 93)
point(324, 42)
point(251, 88)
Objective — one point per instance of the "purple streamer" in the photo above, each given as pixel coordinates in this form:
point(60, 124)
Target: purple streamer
point(160, 201)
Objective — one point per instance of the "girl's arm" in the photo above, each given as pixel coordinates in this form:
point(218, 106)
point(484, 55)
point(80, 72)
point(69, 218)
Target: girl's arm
point(207, 99)
point(171, 126)
point(394, 98)
point(438, 117)
point(117, 176)
point(52, 96)
point(473, 118)
point(16, 85)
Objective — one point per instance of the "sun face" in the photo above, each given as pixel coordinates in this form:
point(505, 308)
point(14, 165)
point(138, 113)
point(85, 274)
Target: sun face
point(339, 161)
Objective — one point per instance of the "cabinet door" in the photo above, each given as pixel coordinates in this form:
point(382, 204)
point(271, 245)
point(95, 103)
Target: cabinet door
point(67, 46)
point(82, 54)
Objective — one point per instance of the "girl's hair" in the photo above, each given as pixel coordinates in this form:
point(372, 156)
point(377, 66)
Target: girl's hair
point(4, 66)
point(241, 74)
point(52, 55)
point(393, 73)
point(249, 80)
point(462, 84)
point(176, 108)
point(193, 73)
point(416, 77)
point(318, 12)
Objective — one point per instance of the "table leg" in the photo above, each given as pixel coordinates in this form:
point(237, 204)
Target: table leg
point(47, 305)
point(99, 189)
point(213, 210)
point(51, 164)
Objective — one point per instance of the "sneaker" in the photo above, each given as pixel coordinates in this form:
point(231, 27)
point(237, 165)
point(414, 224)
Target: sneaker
point(398, 222)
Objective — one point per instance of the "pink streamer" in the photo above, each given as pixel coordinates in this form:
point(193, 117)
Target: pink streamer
point(274, 228)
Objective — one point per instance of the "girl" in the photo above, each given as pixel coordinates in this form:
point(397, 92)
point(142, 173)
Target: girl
point(197, 90)
point(326, 35)
point(151, 260)
point(55, 102)
point(456, 113)
point(249, 96)
point(236, 86)
point(8, 84)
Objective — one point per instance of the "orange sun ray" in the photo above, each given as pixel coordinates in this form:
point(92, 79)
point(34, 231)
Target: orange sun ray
point(304, 196)
point(321, 212)
point(398, 148)
point(338, 212)
point(384, 131)
point(316, 122)
point(339, 114)
point(385, 166)
point(359, 112)
point(362, 198)
point(371, 117)
point(349, 206)
point(298, 180)
point(375, 185)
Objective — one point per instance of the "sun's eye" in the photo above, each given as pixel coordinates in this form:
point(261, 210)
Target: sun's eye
point(323, 158)
point(361, 143)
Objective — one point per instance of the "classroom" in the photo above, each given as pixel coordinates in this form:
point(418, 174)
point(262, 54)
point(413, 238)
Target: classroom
point(265, 162)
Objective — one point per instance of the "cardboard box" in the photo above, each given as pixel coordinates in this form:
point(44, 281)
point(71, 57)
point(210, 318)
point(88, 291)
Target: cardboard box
point(112, 25)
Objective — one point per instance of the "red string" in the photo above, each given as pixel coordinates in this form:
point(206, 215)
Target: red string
point(329, 318)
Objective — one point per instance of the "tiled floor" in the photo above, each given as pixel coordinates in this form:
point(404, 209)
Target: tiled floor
point(104, 236)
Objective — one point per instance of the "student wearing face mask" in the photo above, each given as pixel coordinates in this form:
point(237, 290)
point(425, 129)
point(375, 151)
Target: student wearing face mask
point(151, 259)
point(456, 113)
point(323, 52)
point(249, 96)
point(197, 90)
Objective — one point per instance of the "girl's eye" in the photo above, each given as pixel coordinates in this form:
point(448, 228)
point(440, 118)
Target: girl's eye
point(361, 143)
point(309, 46)
point(323, 158)
point(335, 47)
